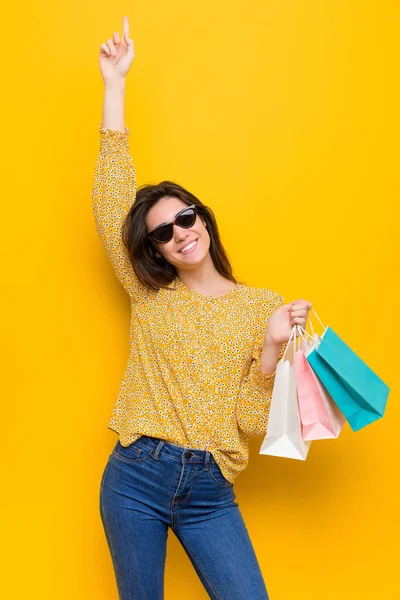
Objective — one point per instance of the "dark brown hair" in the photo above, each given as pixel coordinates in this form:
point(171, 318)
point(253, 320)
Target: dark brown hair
point(155, 271)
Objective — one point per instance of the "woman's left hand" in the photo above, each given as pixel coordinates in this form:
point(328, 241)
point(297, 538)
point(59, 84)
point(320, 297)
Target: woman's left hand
point(282, 321)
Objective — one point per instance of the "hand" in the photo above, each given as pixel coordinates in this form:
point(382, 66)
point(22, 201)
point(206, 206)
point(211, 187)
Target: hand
point(117, 55)
point(282, 321)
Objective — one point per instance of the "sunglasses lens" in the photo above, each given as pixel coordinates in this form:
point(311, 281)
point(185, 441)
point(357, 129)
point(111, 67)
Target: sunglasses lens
point(187, 218)
point(163, 234)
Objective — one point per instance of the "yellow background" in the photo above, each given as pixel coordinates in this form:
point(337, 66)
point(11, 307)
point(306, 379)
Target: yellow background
point(283, 117)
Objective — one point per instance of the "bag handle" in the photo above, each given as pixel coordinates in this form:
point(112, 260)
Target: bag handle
point(300, 329)
point(288, 342)
point(311, 325)
point(296, 328)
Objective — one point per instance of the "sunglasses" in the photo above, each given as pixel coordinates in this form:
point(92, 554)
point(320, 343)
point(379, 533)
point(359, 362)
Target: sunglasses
point(184, 218)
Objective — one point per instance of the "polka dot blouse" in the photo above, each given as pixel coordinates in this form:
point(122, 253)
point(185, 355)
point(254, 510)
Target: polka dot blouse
point(193, 376)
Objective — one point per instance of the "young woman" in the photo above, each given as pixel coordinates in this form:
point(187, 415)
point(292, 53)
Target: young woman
point(199, 378)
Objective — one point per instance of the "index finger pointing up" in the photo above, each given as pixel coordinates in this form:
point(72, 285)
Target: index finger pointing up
point(125, 26)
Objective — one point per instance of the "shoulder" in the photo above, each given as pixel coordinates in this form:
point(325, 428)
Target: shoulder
point(265, 298)
point(262, 302)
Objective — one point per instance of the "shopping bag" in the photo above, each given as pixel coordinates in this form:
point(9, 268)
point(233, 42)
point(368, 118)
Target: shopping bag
point(319, 415)
point(357, 391)
point(283, 437)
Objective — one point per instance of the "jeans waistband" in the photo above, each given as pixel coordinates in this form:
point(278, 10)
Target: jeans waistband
point(190, 454)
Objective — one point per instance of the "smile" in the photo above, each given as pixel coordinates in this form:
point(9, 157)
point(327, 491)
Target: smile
point(189, 247)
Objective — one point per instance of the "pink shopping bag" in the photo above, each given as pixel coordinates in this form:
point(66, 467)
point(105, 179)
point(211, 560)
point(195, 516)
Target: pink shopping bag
point(320, 417)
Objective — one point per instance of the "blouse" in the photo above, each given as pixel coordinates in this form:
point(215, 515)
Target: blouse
point(193, 375)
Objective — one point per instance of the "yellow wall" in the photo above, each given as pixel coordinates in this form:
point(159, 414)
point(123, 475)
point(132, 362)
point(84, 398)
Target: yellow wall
point(283, 117)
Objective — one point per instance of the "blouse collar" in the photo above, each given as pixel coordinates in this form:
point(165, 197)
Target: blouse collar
point(177, 284)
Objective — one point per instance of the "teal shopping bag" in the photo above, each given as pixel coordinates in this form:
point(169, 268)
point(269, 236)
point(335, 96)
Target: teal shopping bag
point(357, 391)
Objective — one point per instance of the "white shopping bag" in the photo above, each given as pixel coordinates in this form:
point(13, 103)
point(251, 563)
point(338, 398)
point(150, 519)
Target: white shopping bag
point(284, 435)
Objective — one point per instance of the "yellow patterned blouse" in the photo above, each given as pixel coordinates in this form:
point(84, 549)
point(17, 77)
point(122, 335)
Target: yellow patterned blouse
point(193, 376)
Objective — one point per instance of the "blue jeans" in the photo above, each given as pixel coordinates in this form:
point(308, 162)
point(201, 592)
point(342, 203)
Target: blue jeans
point(152, 485)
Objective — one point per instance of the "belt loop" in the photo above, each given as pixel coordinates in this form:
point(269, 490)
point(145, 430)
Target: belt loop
point(207, 461)
point(157, 451)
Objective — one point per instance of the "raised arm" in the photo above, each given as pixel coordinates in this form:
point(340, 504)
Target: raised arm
point(114, 184)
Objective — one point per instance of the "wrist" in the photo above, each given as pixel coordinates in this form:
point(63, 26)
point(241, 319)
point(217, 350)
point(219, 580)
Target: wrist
point(115, 83)
point(269, 357)
point(270, 343)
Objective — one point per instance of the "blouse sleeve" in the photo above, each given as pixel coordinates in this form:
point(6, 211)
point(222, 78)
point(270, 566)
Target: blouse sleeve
point(113, 193)
point(255, 394)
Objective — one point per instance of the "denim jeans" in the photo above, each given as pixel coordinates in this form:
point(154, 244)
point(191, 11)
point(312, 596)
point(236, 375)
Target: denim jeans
point(153, 485)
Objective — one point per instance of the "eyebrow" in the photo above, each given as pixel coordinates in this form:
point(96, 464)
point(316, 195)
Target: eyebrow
point(168, 222)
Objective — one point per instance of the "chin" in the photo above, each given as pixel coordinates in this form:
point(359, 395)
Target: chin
point(190, 261)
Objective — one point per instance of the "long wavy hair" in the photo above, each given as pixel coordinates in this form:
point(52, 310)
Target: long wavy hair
point(153, 270)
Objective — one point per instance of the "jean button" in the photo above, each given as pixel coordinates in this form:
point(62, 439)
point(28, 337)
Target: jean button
point(188, 454)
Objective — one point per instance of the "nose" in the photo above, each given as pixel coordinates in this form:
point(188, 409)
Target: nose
point(180, 233)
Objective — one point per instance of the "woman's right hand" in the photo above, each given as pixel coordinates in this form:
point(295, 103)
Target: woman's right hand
point(116, 56)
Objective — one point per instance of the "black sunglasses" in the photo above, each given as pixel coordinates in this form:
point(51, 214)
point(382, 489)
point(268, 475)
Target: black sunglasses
point(184, 218)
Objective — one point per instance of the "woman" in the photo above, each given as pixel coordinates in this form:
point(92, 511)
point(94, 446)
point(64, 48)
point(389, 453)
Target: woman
point(198, 384)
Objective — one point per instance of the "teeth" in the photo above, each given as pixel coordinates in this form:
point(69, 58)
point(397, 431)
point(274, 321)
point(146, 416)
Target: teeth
point(189, 246)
